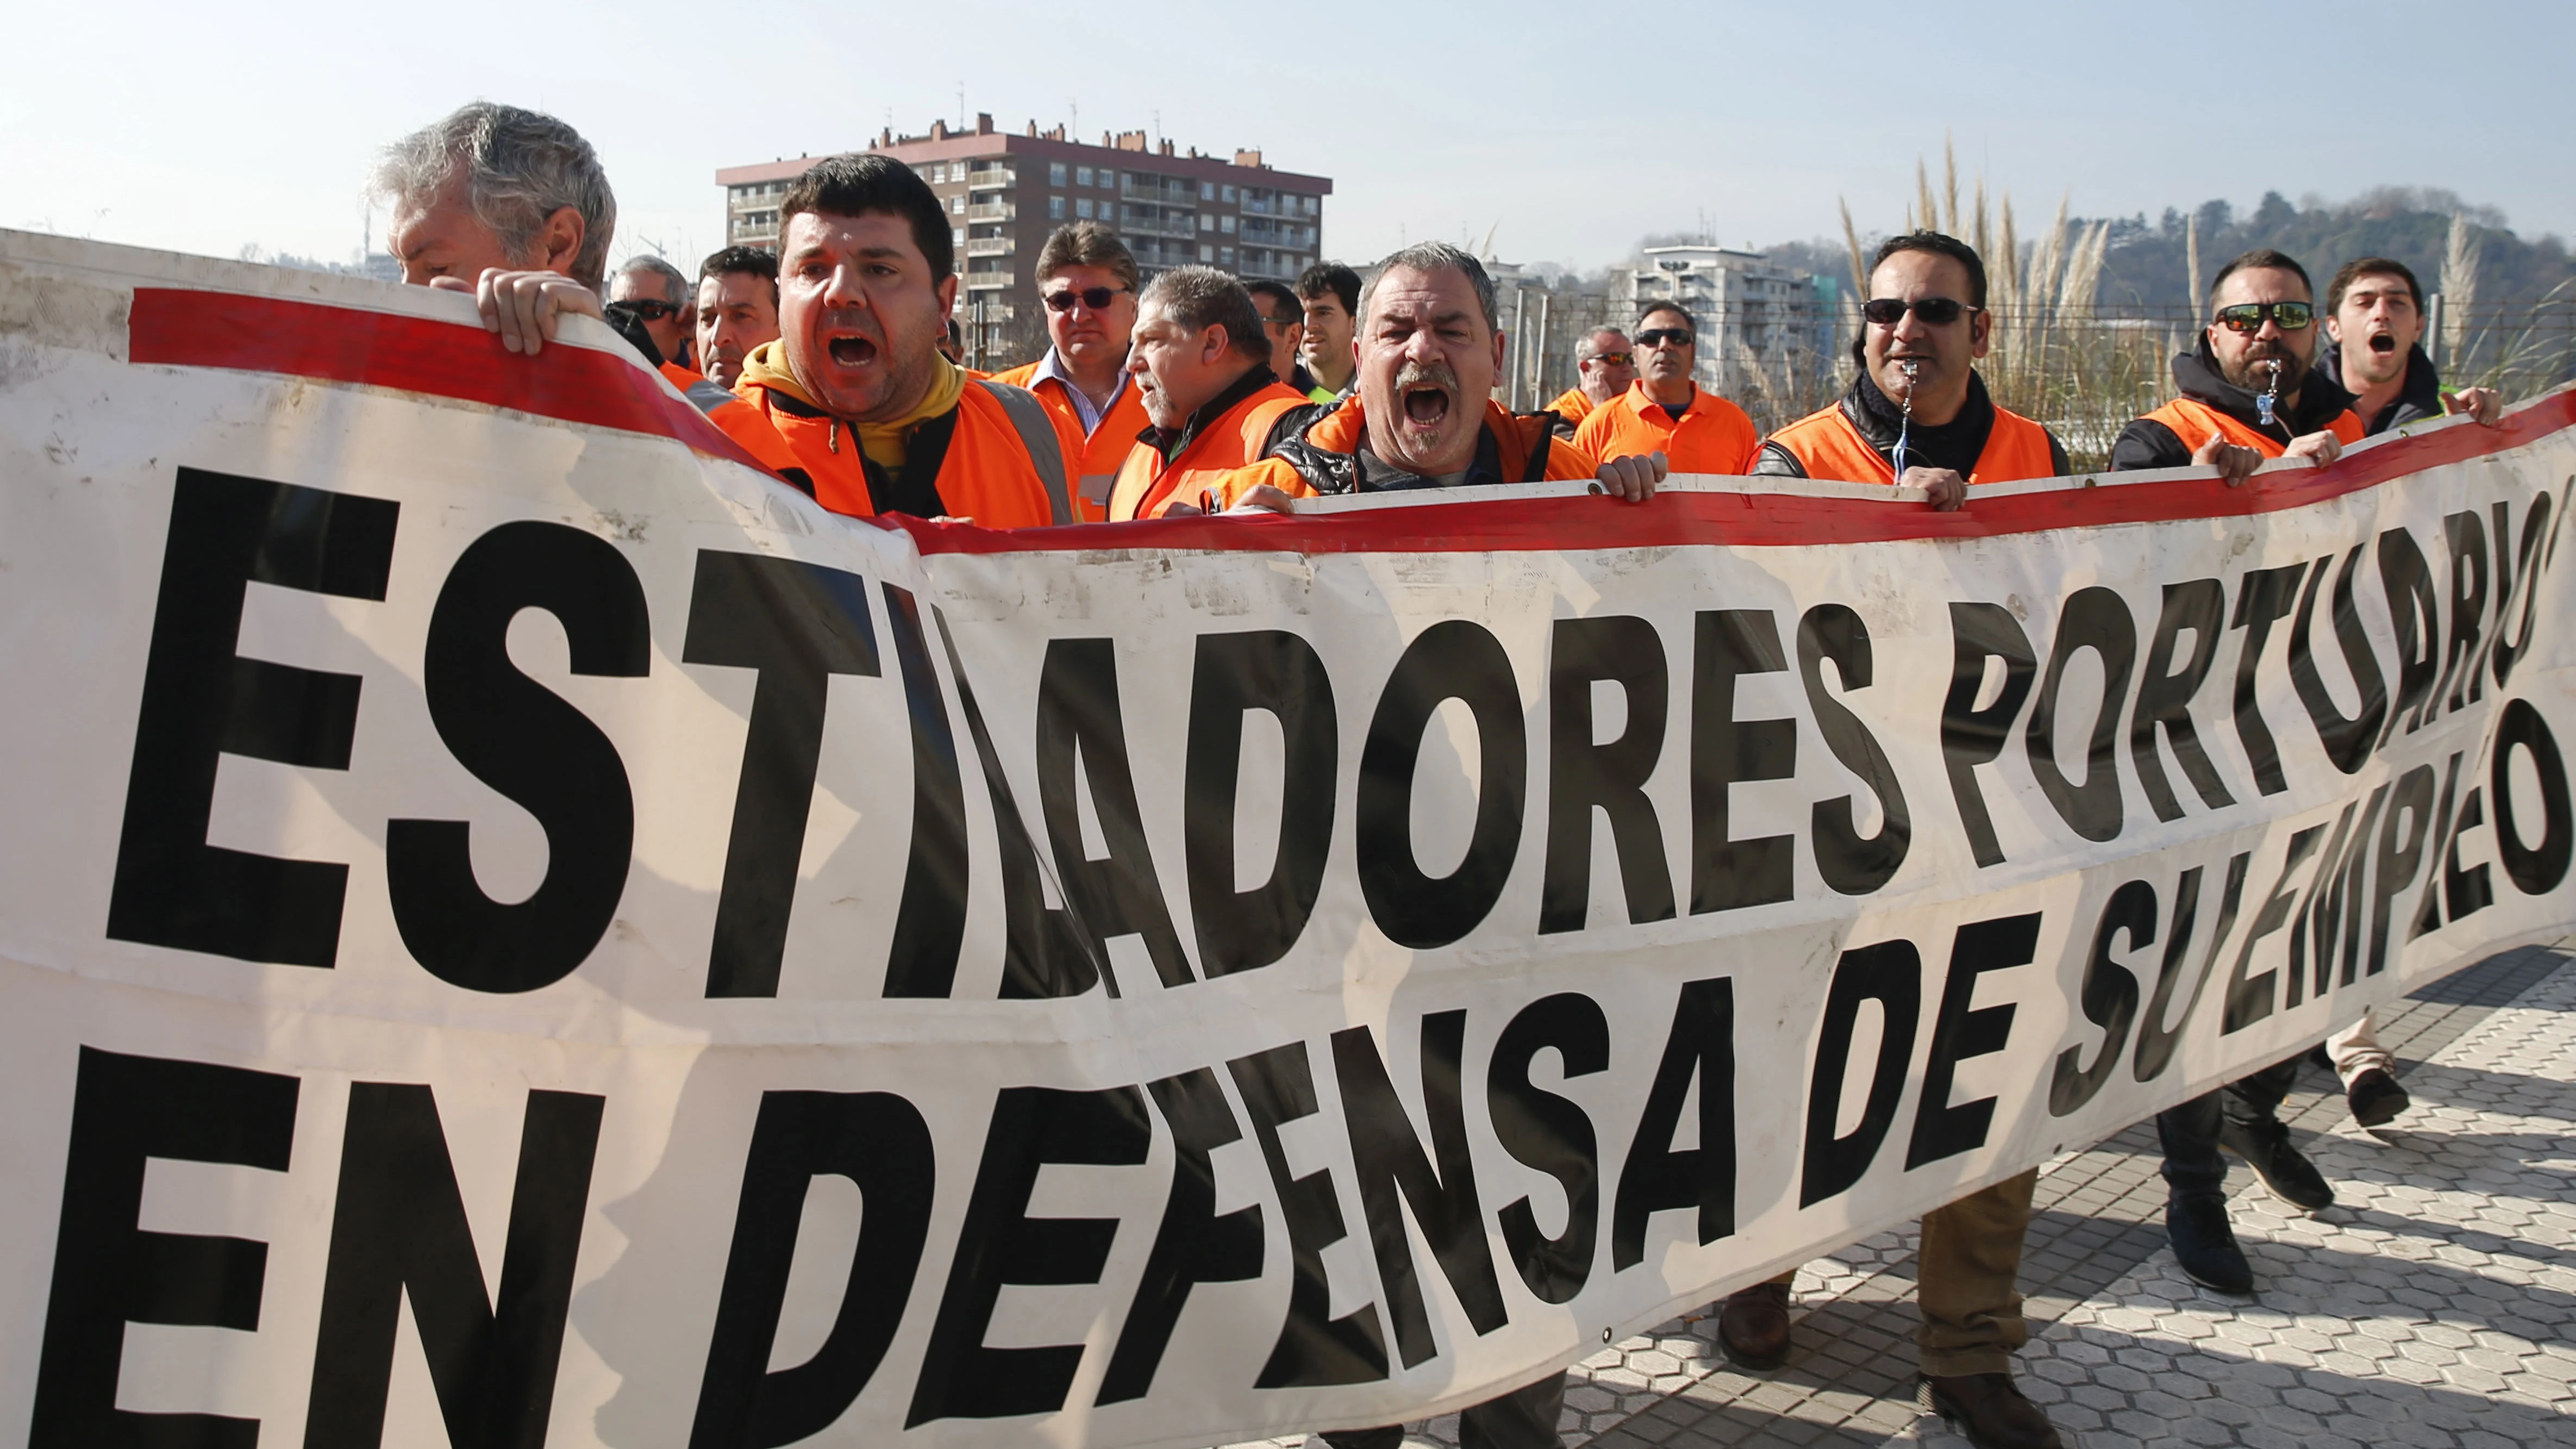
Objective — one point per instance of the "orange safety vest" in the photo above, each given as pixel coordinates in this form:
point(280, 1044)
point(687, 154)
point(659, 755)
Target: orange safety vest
point(681, 377)
point(1516, 438)
point(2193, 422)
point(1713, 435)
point(1105, 450)
point(1147, 486)
point(987, 474)
point(1827, 445)
point(1573, 405)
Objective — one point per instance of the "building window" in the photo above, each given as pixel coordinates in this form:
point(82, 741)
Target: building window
point(961, 237)
point(1082, 176)
point(1206, 253)
point(957, 206)
point(1055, 208)
point(1225, 193)
point(1226, 225)
point(1082, 208)
point(1206, 222)
point(1055, 173)
point(1310, 206)
point(1225, 256)
point(1207, 191)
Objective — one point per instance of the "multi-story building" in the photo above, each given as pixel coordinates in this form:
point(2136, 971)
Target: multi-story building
point(1004, 193)
point(1748, 308)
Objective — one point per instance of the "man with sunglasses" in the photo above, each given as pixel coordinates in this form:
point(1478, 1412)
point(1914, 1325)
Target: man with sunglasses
point(2248, 394)
point(1917, 415)
point(656, 294)
point(1604, 366)
point(1665, 412)
point(1087, 281)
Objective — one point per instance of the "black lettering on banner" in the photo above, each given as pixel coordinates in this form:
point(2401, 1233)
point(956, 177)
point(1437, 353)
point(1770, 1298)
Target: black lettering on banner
point(1729, 874)
point(2412, 608)
point(398, 1231)
point(1970, 736)
point(797, 624)
point(2470, 890)
point(1891, 974)
point(2468, 538)
point(1850, 863)
point(1278, 1087)
point(1655, 1178)
point(1194, 1245)
point(1000, 1244)
point(2394, 871)
point(2165, 694)
point(529, 744)
point(2305, 922)
point(2428, 908)
point(1943, 1128)
point(2264, 599)
point(2156, 1040)
point(2108, 996)
point(1394, 1174)
point(930, 920)
point(2097, 619)
point(2335, 915)
point(2510, 643)
point(1547, 1132)
point(202, 701)
point(1119, 894)
point(2249, 999)
point(1044, 955)
point(879, 1142)
point(1262, 669)
point(2348, 740)
point(1583, 776)
point(2535, 869)
point(108, 1272)
point(1453, 659)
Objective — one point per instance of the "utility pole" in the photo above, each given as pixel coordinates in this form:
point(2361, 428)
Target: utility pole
point(1520, 313)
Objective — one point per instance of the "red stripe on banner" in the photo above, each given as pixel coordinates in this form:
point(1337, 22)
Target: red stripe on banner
point(176, 327)
point(173, 327)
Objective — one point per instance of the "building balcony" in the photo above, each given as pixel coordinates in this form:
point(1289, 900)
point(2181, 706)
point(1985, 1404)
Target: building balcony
point(991, 180)
point(992, 246)
point(992, 211)
point(988, 281)
point(1172, 226)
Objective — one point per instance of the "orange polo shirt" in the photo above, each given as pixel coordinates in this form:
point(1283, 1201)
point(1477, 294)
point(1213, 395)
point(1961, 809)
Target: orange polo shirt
point(1711, 436)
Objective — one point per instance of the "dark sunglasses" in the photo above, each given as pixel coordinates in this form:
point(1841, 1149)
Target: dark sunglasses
point(2248, 316)
point(1665, 336)
point(651, 311)
point(1622, 359)
point(1095, 298)
point(1935, 311)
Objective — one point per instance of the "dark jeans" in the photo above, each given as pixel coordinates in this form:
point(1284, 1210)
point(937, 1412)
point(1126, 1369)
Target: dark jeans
point(2189, 1132)
point(1522, 1419)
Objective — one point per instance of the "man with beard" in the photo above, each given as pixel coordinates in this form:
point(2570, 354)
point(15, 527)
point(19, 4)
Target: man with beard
point(1202, 357)
point(1665, 412)
point(2374, 328)
point(1423, 415)
point(737, 310)
point(2248, 393)
point(1604, 365)
point(870, 417)
point(1917, 415)
point(1087, 280)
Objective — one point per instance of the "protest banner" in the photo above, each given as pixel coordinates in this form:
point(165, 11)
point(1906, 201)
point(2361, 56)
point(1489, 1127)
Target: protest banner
point(517, 928)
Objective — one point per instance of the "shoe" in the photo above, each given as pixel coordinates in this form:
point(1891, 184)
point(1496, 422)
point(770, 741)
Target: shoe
point(2319, 1056)
point(2376, 1098)
point(2204, 1244)
point(2266, 1148)
point(1753, 1326)
point(1988, 1411)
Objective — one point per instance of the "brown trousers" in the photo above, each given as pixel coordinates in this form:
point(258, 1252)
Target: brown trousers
point(1966, 1280)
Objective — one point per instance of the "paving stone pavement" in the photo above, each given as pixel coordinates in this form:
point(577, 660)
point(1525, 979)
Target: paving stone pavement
point(2434, 1305)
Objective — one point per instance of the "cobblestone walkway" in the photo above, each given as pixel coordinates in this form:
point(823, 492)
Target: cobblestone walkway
point(2433, 1305)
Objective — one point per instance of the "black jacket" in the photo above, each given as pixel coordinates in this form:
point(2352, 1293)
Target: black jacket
point(2418, 398)
point(2150, 444)
point(1358, 471)
point(1955, 445)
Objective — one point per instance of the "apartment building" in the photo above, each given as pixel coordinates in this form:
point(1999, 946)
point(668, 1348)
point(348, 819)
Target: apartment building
point(1745, 303)
point(1005, 192)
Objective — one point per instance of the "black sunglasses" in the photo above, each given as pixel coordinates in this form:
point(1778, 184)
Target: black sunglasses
point(1095, 298)
point(651, 311)
point(2248, 316)
point(1665, 336)
point(1935, 311)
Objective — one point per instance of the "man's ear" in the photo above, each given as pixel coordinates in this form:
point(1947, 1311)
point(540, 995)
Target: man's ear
point(947, 299)
point(1981, 332)
point(2334, 330)
point(1213, 343)
point(559, 241)
point(1501, 346)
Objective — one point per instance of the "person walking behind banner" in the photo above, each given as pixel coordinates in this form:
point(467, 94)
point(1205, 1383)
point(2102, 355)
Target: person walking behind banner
point(1917, 415)
point(1665, 412)
point(2248, 392)
point(737, 310)
point(1923, 328)
point(1202, 361)
point(1087, 280)
point(1331, 293)
point(1283, 319)
point(1604, 365)
point(657, 295)
point(854, 402)
point(2374, 331)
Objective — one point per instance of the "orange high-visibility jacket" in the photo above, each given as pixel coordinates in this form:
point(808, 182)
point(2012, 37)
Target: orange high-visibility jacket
point(986, 473)
point(1573, 405)
point(1147, 485)
point(1713, 435)
point(2193, 422)
point(1827, 445)
point(1100, 454)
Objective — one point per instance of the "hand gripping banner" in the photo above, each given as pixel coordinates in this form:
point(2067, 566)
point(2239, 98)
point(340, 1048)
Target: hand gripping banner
point(516, 928)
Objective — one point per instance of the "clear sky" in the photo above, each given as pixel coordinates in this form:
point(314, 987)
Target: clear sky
point(1567, 129)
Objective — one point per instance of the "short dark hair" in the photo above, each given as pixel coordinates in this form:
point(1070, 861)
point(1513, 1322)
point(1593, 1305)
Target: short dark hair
point(1202, 297)
point(1677, 309)
point(1087, 244)
point(1939, 245)
point(1331, 277)
point(2261, 259)
point(856, 184)
point(2353, 271)
point(1282, 296)
point(743, 261)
